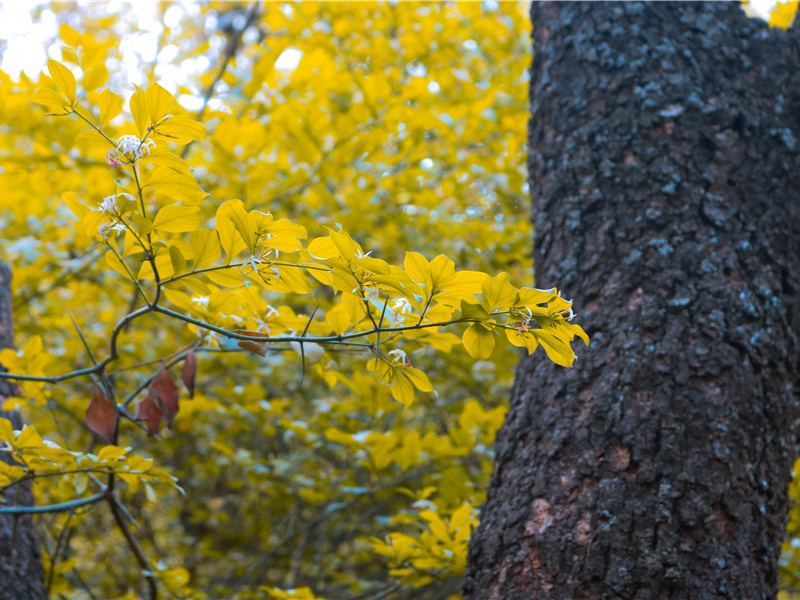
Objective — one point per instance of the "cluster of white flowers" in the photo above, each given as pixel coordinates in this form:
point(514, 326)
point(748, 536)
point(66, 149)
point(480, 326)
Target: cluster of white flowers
point(132, 148)
point(110, 205)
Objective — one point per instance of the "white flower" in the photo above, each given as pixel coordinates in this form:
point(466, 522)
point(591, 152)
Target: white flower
point(263, 324)
point(200, 301)
point(106, 229)
point(399, 357)
point(403, 306)
point(109, 204)
point(254, 261)
point(133, 148)
point(370, 293)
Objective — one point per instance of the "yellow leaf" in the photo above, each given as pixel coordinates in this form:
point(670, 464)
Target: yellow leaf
point(181, 129)
point(166, 158)
point(283, 227)
point(139, 112)
point(11, 403)
point(417, 267)
point(344, 243)
point(64, 80)
point(176, 185)
point(460, 517)
point(177, 219)
point(236, 215)
point(163, 266)
point(478, 341)
point(522, 339)
point(322, 248)
point(403, 391)
point(49, 97)
point(110, 106)
point(72, 202)
point(441, 268)
point(6, 431)
point(108, 453)
point(28, 438)
point(531, 296)
point(158, 102)
point(205, 247)
point(499, 293)
point(783, 14)
point(294, 280)
point(177, 259)
point(558, 350)
point(230, 278)
point(93, 138)
point(418, 378)
point(116, 264)
point(578, 330)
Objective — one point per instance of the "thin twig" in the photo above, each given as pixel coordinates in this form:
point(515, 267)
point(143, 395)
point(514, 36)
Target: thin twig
point(64, 506)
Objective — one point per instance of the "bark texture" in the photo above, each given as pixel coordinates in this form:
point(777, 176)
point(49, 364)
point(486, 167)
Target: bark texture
point(21, 574)
point(665, 173)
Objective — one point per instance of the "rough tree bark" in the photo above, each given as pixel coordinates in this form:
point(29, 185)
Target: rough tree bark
point(21, 575)
point(665, 174)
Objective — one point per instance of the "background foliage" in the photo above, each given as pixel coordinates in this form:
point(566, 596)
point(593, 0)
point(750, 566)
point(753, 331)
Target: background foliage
point(402, 124)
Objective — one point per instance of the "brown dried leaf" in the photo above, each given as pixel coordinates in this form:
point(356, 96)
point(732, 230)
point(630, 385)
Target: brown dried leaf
point(101, 416)
point(148, 411)
point(262, 334)
point(189, 372)
point(254, 347)
point(165, 394)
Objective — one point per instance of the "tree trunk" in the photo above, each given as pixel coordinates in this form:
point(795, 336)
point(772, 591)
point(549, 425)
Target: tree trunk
point(21, 575)
point(665, 173)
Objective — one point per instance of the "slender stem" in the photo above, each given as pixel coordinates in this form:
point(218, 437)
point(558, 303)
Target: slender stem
point(175, 278)
point(144, 564)
point(130, 274)
point(326, 339)
point(64, 506)
point(97, 129)
point(139, 192)
point(62, 536)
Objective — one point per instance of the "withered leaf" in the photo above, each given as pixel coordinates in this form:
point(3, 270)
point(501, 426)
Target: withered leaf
point(148, 411)
point(189, 372)
point(101, 416)
point(165, 394)
point(254, 347)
